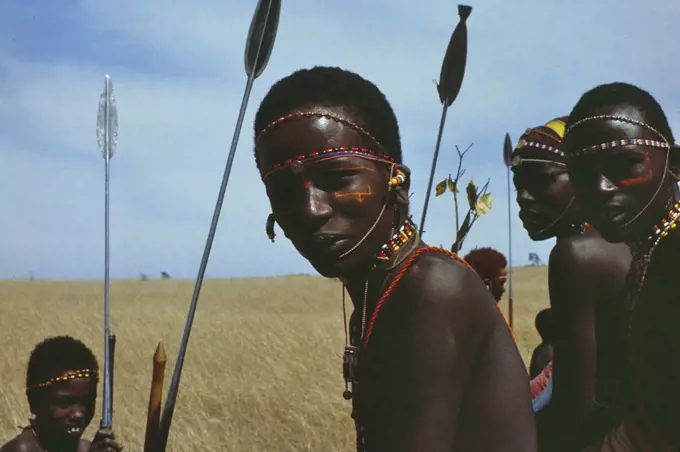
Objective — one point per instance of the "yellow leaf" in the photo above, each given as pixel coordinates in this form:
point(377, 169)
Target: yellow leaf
point(452, 186)
point(483, 205)
point(440, 188)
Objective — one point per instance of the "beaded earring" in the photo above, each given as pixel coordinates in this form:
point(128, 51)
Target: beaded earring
point(398, 179)
point(271, 222)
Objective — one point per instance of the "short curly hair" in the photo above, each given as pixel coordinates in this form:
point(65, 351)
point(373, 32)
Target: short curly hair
point(333, 86)
point(487, 262)
point(55, 355)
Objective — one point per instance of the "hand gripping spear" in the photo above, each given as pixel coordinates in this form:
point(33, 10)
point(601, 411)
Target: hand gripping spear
point(507, 157)
point(107, 139)
point(259, 44)
point(450, 81)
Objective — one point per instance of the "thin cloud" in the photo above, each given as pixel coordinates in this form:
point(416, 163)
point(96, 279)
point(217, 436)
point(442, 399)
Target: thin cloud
point(177, 70)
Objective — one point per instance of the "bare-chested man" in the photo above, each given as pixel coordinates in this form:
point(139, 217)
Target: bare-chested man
point(431, 362)
point(624, 165)
point(586, 279)
point(61, 386)
point(492, 266)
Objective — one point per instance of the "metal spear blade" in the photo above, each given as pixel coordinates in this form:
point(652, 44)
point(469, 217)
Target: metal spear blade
point(107, 120)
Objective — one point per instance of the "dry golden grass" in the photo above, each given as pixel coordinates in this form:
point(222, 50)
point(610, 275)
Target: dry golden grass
point(263, 369)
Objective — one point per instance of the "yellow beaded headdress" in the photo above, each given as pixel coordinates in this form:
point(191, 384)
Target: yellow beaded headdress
point(547, 137)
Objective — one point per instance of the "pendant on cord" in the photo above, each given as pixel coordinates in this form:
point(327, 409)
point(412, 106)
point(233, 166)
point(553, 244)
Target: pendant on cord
point(350, 367)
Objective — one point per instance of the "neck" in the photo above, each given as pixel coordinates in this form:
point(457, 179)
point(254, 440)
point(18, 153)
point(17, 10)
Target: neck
point(375, 272)
point(49, 442)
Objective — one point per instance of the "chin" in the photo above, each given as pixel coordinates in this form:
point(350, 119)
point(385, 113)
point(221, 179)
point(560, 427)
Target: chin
point(539, 236)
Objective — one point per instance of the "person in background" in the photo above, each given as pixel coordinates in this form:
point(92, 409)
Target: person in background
point(61, 386)
point(543, 353)
point(586, 279)
point(491, 266)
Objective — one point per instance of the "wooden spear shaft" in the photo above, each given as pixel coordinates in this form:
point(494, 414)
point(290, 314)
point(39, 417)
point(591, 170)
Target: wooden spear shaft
point(155, 397)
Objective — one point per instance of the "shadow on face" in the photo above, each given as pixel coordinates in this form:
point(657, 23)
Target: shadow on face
point(544, 193)
point(327, 203)
point(624, 191)
point(64, 409)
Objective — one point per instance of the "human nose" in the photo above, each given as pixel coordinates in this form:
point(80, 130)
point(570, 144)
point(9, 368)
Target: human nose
point(316, 204)
point(77, 412)
point(523, 196)
point(605, 186)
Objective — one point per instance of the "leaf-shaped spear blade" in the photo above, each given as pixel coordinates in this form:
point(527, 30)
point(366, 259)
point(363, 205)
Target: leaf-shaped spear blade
point(453, 68)
point(507, 150)
point(259, 45)
point(507, 158)
point(451, 79)
point(261, 36)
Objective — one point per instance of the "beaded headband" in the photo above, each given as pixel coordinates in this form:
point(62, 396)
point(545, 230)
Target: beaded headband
point(331, 153)
point(311, 114)
point(556, 125)
point(664, 143)
point(81, 373)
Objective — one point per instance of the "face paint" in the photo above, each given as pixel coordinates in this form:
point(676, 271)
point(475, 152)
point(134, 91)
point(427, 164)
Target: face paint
point(637, 180)
point(360, 196)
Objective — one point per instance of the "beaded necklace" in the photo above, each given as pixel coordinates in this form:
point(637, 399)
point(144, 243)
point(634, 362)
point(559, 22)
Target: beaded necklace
point(636, 279)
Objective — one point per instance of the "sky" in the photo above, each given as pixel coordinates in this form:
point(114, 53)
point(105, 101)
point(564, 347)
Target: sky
point(178, 76)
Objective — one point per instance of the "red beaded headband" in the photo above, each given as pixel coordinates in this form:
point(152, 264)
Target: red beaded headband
point(330, 153)
point(664, 143)
point(82, 373)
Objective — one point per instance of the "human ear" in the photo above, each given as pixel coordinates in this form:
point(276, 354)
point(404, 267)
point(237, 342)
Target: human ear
point(674, 162)
point(401, 189)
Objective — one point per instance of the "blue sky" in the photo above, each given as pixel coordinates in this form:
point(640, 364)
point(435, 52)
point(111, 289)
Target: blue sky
point(177, 69)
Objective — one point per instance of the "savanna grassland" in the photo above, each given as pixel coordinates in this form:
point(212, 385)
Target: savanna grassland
point(263, 369)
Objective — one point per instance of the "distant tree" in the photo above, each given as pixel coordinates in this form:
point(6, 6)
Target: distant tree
point(31, 276)
point(143, 277)
point(165, 275)
point(535, 260)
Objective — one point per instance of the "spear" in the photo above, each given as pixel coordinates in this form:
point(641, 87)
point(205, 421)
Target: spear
point(155, 396)
point(507, 158)
point(107, 139)
point(259, 44)
point(450, 81)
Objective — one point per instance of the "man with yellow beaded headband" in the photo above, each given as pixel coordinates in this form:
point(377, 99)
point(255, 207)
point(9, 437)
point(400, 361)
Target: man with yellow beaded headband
point(328, 150)
point(624, 165)
point(586, 277)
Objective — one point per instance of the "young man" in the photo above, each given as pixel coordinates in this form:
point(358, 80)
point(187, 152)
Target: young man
point(625, 165)
point(586, 280)
point(61, 386)
point(491, 266)
point(431, 362)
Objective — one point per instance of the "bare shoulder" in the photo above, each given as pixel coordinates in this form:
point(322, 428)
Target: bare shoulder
point(449, 289)
point(19, 443)
point(588, 257)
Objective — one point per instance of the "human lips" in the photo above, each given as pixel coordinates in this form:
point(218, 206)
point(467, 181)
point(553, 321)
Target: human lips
point(328, 244)
point(610, 213)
